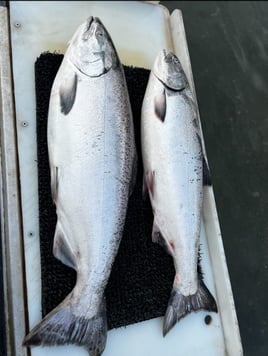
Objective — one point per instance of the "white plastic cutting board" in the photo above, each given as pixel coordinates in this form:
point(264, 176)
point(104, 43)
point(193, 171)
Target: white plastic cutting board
point(139, 31)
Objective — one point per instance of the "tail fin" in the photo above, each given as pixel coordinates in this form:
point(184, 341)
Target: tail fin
point(63, 325)
point(180, 305)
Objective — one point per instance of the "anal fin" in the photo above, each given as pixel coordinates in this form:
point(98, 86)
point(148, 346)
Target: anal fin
point(158, 238)
point(148, 184)
point(62, 249)
point(54, 182)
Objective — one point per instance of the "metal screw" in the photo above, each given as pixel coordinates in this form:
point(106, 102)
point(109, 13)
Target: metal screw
point(17, 24)
point(24, 123)
point(30, 233)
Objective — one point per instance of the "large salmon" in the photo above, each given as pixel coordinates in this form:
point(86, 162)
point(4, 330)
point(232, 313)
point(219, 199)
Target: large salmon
point(173, 176)
point(92, 160)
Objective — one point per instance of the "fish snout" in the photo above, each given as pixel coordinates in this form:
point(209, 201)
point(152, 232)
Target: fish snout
point(89, 21)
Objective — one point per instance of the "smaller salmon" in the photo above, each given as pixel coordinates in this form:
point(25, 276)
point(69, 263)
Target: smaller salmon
point(173, 175)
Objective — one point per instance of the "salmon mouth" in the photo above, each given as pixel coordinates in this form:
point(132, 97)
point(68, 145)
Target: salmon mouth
point(95, 61)
point(99, 53)
point(167, 56)
point(96, 57)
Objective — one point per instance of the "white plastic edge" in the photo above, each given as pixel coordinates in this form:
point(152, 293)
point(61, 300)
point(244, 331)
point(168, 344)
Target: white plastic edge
point(11, 232)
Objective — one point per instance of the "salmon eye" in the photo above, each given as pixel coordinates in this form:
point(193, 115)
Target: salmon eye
point(99, 34)
point(175, 60)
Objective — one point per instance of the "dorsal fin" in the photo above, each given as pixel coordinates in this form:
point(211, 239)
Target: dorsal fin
point(206, 173)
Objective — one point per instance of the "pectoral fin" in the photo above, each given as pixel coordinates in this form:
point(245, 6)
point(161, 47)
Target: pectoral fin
point(62, 249)
point(68, 93)
point(160, 106)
